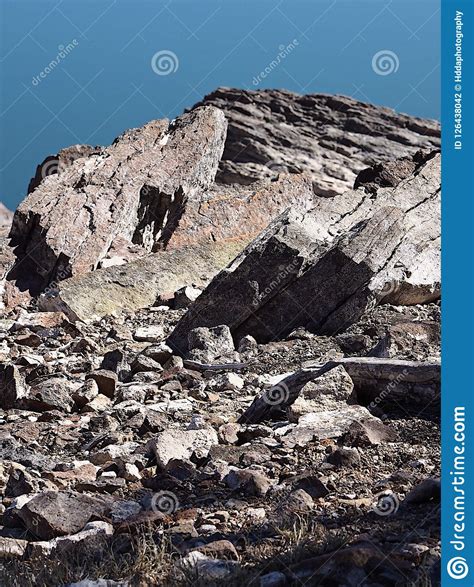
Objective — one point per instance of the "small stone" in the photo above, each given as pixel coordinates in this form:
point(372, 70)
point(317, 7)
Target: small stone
point(299, 501)
point(181, 444)
point(12, 385)
point(98, 404)
point(106, 381)
point(208, 345)
point(207, 568)
point(228, 433)
point(144, 364)
point(248, 346)
point(53, 393)
point(57, 513)
point(153, 333)
point(230, 382)
point(344, 457)
point(368, 432)
point(248, 481)
point(121, 511)
point(223, 549)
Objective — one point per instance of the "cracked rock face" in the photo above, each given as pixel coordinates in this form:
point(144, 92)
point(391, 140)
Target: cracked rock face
point(134, 189)
point(330, 137)
point(323, 269)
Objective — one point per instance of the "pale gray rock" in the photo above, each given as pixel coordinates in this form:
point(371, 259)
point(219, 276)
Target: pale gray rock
point(182, 444)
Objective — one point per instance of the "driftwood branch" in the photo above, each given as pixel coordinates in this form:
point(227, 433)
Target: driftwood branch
point(373, 371)
point(197, 366)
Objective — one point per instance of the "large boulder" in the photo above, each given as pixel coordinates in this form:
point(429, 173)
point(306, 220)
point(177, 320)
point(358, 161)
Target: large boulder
point(134, 189)
point(323, 269)
point(139, 283)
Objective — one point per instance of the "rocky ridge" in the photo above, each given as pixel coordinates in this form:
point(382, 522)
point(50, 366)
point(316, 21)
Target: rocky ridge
point(224, 366)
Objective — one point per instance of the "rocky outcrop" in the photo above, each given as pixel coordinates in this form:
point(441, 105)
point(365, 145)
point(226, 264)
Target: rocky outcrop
point(323, 269)
point(330, 137)
point(293, 396)
point(134, 189)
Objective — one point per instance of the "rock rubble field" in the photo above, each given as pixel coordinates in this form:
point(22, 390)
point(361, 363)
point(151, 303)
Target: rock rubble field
point(220, 352)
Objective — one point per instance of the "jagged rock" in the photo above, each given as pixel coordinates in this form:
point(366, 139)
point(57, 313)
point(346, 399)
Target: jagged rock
point(226, 213)
point(53, 393)
point(86, 393)
point(134, 189)
point(106, 381)
point(324, 269)
point(209, 344)
point(182, 444)
point(12, 387)
point(58, 513)
point(56, 164)
point(331, 137)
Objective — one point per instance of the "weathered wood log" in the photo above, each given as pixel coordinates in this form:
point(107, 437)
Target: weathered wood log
point(384, 374)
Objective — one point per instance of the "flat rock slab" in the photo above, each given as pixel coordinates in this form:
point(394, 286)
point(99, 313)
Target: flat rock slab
point(138, 284)
point(58, 513)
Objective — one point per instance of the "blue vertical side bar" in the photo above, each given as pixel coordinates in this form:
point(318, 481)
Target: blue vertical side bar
point(458, 293)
